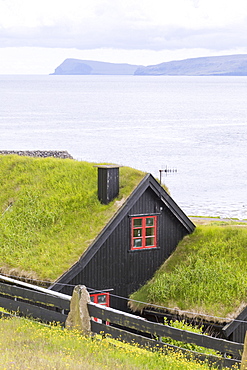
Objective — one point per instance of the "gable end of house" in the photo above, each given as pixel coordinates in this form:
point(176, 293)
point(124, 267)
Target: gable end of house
point(108, 263)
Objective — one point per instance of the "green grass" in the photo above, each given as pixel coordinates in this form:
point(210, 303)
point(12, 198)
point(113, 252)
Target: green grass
point(206, 274)
point(188, 327)
point(50, 213)
point(27, 344)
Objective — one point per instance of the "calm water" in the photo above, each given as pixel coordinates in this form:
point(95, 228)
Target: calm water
point(196, 125)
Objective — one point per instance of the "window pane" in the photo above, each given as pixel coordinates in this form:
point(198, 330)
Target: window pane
point(137, 243)
point(137, 232)
point(101, 299)
point(137, 222)
point(92, 298)
point(149, 221)
point(149, 242)
point(150, 231)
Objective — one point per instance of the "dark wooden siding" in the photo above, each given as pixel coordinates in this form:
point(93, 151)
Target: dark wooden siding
point(108, 183)
point(115, 267)
point(236, 330)
point(238, 334)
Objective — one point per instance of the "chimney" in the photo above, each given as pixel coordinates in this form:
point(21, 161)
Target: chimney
point(108, 183)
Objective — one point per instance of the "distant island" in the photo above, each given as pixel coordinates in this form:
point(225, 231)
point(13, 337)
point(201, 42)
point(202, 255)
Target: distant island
point(226, 65)
point(90, 67)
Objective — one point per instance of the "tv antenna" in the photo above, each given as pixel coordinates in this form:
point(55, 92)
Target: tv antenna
point(166, 171)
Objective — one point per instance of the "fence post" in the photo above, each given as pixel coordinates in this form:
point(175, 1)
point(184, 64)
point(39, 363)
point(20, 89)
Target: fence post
point(244, 356)
point(78, 317)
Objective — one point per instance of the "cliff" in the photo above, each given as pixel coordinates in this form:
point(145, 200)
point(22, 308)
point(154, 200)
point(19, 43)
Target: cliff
point(89, 67)
point(226, 65)
point(229, 65)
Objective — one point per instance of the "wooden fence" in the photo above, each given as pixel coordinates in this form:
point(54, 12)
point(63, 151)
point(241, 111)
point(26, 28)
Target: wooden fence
point(148, 334)
point(50, 306)
point(30, 300)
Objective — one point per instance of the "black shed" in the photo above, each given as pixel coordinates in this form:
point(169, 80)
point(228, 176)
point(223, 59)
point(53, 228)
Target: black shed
point(131, 247)
point(236, 329)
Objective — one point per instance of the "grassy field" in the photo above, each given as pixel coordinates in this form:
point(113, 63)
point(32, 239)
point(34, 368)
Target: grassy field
point(206, 273)
point(50, 212)
point(27, 344)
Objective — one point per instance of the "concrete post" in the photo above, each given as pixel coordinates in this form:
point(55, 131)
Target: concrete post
point(78, 317)
point(244, 356)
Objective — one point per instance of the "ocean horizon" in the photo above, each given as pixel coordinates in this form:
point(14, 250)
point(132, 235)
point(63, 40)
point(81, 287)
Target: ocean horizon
point(196, 127)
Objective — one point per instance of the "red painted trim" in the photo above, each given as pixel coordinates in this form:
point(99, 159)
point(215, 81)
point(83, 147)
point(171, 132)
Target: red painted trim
point(143, 229)
point(96, 298)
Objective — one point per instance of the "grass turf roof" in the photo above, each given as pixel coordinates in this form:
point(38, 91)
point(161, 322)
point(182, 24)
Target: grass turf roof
point(206, 274)
point(50, 213)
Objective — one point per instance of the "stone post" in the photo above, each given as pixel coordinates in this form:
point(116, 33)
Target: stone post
point(78, 317)
point(244, 356)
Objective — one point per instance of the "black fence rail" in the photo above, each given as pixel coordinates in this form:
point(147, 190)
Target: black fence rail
point(125, 323)
point(50, 306)
point(30, 300)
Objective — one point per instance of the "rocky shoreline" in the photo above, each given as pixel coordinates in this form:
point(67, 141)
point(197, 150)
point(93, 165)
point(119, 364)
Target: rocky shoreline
point(63, 154)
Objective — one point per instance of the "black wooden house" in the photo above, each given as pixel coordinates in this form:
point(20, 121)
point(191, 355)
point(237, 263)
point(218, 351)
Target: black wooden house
point(135, 242)
point(237, 328)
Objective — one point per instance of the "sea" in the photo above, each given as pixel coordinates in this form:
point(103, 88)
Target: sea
point(189, 132)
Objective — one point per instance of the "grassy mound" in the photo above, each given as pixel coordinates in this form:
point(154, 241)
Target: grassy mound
point(50, 213)
point(27, 344)
point(206, 274)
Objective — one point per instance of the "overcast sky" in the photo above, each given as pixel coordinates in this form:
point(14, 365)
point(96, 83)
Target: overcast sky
point(37, 35)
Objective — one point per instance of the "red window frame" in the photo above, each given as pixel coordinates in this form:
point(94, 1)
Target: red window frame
point(96, 298)
point(143, 232)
